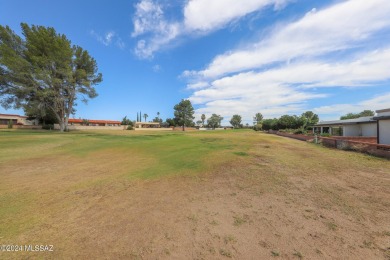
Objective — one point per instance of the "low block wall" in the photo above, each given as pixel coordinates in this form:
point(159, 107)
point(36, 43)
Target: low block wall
point(207, 129)
point(294, 136)
point(358, 143)
point(153, 129)
point(180, 128)
point(22, 126)
point(89, 127)
point(358, 146)
point(364, 139)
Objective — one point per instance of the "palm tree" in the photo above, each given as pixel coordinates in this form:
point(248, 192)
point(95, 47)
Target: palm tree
point(158, 115)
point(146, 116)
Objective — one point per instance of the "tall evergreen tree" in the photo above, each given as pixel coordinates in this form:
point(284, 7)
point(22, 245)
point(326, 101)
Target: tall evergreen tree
point(184, 113)
point(203, 118)
point(44, 70)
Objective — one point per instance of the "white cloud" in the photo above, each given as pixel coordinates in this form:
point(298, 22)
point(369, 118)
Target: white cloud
point(339, 27)
point(148, 17)
point(287, 89)
point(375, 103)
point(201, 16)
point(248, 93)
point(120, 43)
point(146, 48)
point(206, 15)
point(198, 85)
point(156, 68)
point(108, 39)
point(282, 73)
point(149, 20)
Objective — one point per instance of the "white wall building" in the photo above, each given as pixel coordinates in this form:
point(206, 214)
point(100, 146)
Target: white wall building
point(383, 126)
point(362, 126)
point(370, 126)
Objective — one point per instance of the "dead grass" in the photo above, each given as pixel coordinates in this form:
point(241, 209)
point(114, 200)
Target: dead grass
point(238, 194)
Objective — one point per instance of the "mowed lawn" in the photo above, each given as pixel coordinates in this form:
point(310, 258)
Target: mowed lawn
point(189, 195)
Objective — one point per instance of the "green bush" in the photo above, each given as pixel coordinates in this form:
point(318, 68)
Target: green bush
point(258, 127)
point(48, 127)
point(300, 131)
point(326, 135)
point(130, 128)
point(10, 124)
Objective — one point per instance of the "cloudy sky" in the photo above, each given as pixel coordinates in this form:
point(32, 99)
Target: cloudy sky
point(227, 56)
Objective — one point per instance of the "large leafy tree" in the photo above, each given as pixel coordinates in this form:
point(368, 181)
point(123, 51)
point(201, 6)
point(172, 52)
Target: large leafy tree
point(308, 119)
point(170, 122)
point(235, 121)
point(184, 113)
point(44, 72)
point(257, 119)
point(214, 121)
point(157, 120)
point(270, 124)
point(127, 121)
point(288, 122)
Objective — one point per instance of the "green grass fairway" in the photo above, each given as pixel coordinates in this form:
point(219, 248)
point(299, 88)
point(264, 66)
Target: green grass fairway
point(214, 194)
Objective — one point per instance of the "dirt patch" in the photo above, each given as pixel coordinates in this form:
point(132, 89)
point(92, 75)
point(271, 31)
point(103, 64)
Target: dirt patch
point(228, 214)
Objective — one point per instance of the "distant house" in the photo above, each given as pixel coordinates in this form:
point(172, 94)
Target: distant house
point(93, 122)
point(147, 125)
point(16, 120)
point(362, 126)
point(369, 126)
point(383, 126)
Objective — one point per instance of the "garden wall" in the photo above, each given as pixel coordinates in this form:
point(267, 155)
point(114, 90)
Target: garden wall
point(153, 129)
point(90, 127)
point(359, 144)
point(22, 126)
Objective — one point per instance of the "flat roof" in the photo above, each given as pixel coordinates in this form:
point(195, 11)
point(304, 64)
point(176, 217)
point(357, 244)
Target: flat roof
point(383, 110)
point(381, 117)
point(360, 120)
point(13, 115)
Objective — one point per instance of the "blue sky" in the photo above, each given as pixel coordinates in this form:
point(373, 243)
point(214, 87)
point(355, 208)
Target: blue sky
point(227, 56)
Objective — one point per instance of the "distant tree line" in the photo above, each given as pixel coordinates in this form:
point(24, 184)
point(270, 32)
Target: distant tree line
point(361, 114)
point(304, 122)
point(183, 116)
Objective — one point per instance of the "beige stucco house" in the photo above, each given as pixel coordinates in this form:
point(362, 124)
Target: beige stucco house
point(16, 120)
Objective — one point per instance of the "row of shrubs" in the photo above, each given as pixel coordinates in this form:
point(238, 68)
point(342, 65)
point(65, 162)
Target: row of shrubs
point(299, 131)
